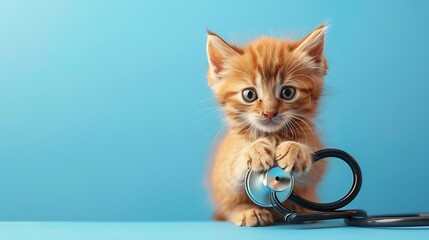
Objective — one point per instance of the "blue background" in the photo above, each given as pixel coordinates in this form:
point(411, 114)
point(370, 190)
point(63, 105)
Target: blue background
point(104, 105)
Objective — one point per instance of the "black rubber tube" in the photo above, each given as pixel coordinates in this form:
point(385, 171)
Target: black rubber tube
point(353, 217)
point(399, 220)
point(354, 190)
point(317, 216)
point(292, 217)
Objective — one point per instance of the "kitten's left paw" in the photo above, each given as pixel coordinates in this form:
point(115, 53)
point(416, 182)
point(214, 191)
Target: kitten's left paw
point(294, 157)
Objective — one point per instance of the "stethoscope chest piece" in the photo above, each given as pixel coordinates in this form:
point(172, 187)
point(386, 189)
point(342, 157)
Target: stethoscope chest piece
point(260, 185)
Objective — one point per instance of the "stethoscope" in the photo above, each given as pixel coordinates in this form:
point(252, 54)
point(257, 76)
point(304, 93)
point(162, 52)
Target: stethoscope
point(271, 188)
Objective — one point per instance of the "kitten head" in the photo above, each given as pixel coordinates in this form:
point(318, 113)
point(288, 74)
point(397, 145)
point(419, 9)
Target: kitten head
point(269, 82)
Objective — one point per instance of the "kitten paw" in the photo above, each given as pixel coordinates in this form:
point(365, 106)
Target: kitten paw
point(294, 157)
point(252, 217)
point(261, 155)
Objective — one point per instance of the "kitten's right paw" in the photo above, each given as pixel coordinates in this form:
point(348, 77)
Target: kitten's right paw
point(252, 217)
point(294, 157)
point(261, 155)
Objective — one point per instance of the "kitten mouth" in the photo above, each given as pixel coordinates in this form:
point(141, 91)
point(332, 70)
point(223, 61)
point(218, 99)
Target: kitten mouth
point(270, 125)
point(269, 122)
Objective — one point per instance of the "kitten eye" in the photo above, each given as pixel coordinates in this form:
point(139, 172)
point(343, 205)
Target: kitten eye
point(249, 95)
point(288, 92)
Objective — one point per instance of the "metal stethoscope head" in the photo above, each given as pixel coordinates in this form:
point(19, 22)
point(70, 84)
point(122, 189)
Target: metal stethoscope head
point(260, 185)
point(273, 187)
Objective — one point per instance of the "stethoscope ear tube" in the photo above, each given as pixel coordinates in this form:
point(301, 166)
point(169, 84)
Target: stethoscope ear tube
point(354, 190)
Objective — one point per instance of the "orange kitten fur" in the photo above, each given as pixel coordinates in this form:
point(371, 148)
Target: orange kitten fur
point(269, 91)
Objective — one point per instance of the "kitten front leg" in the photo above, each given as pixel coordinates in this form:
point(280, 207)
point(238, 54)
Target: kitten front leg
point(257, 156)
point(294, 157)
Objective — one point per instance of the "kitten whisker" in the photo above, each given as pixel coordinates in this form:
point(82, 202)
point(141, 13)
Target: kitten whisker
point(309, 119)
point(207, 100)
point(285, 130)
point(208, 108)
point(294, 134)
point(298, 135)
point(245, 134)
point(303, 131)
point(224, 126)
point(206, 115)
point(308, 126)
point(288, 128)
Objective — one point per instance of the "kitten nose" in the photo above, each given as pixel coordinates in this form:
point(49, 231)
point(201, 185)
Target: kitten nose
point(269, 114)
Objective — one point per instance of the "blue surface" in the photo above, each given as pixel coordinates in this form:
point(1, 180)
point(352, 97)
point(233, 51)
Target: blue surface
point(197, 230)
point(98, 97)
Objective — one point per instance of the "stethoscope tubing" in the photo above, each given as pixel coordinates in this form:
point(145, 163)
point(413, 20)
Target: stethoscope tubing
point(397, 220)
point(352, 217)
point(346, 199)
point(294, 217)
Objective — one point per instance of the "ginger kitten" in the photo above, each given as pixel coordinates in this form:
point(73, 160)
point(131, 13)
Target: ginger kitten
point(269, 90)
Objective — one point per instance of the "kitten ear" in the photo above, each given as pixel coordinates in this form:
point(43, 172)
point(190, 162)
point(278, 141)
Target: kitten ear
point(314, 43)
point(217, 52)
